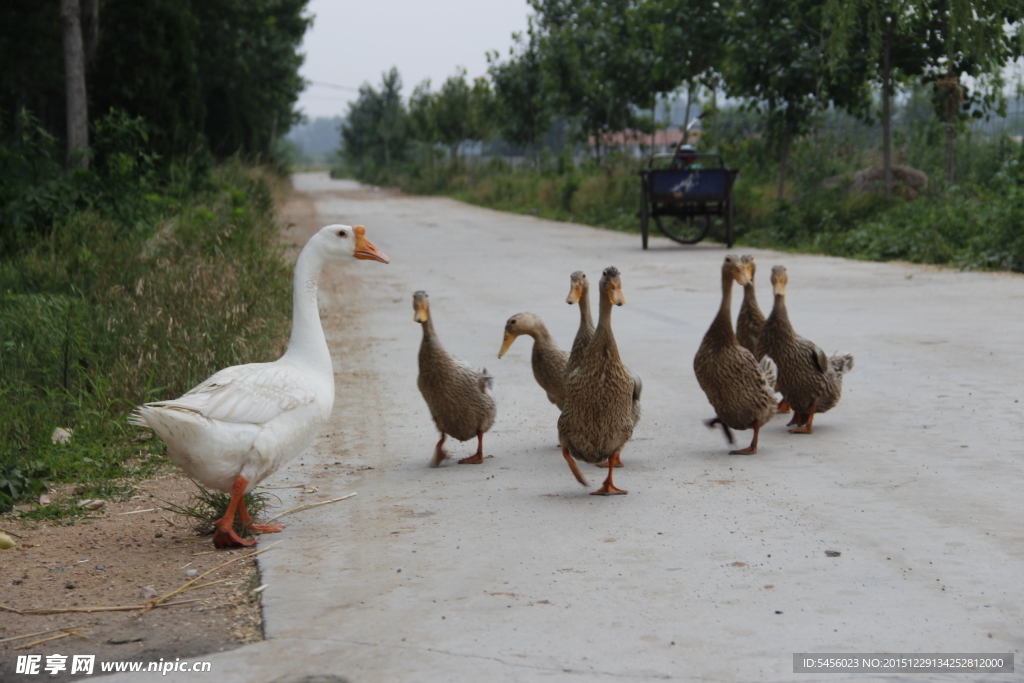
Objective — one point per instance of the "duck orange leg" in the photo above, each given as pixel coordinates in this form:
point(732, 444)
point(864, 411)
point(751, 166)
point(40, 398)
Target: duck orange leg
point(439, 454)
point(477, 457)
point(572, 466)
point(797, 419)
point(608, 488)
point(783, 407)
point(752, 448)
point(224, 535)
point(805, 427)
point(243, 514)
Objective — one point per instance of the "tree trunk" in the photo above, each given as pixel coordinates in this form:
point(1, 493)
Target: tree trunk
point(714, 113)
point(686, 116)
point(74, 84)
point(783, 160)
point(886, 112)
point(90, 28)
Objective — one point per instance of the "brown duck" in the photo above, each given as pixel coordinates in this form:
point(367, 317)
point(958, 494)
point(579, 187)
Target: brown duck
point(738, 387)
point(751, 319)
point(547, 359)
point(579, 292)
point(457, 394)
point(811, 381)
point(598, 416)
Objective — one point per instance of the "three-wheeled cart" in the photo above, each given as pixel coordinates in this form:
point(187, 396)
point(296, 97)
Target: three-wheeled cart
point(682, 196)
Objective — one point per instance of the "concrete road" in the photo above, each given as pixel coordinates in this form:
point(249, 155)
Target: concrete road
point(714, 567)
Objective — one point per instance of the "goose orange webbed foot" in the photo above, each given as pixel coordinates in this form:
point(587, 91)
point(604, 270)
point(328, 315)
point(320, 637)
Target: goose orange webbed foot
point(225, 537)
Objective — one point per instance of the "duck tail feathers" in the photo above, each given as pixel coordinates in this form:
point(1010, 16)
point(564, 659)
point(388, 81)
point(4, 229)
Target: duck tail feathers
point(770, 372)
point(841, 364)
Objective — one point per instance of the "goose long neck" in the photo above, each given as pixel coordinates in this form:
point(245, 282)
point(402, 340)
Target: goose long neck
point(307, 346)
point(722, 324)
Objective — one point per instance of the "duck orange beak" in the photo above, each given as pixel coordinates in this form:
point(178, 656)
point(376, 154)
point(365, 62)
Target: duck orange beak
point(616, 296)
point(365, 249)
point(509, 338)
point(575, 292)
point(419, 313)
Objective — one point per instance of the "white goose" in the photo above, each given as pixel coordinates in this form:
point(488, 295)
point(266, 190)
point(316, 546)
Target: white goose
point(244, 422)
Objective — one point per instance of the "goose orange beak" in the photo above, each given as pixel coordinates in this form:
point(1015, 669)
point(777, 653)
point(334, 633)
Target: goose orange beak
point(365, 249)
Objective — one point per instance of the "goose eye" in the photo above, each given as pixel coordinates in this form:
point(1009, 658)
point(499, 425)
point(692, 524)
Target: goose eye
point(342, 233)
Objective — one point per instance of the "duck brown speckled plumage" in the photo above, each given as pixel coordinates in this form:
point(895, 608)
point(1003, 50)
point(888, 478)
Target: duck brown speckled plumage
point(579, 293)
point(598, 416)
point(810, 381)
point(457, 394)
point(738, 387)
point(547, 359)
point(750, 320)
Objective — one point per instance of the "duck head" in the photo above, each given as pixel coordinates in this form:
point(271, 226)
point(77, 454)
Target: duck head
point(520, 323)
point(611, 286)
point(734, 267)
point(779, 280)
point(420, 307)
point(748, 262)
point(577, 283)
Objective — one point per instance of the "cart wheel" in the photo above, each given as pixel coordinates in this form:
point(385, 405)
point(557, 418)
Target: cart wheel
point(689, 230)
point(729, 237)
point(644, 214)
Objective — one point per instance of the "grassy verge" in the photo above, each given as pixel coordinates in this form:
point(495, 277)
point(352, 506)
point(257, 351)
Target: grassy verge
point(100, 313)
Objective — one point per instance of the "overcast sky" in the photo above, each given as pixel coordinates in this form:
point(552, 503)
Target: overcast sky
point(351, 43)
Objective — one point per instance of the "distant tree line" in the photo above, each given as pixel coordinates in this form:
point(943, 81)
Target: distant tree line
point(601, 67)
point(216, 75)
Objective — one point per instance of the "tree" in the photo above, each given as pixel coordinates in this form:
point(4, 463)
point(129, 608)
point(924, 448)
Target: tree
point(457, 113)
point(893, 36)
point(146, 65)
point(594, 64)
point(776, 56)
point(374, 135)
point(74, 77)
point(685, 41)
point(523, 113)
point(978, 38)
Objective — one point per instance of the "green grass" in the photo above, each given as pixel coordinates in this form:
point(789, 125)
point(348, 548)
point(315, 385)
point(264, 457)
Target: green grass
point(100, 313)
point(205, 507)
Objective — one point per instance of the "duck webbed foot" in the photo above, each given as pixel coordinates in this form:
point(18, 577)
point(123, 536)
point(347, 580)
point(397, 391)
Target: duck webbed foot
point(804, 426)
point(605, 464)
point(477, 457)
point(266, 528)
point(752, 448)
point(572, 466)
point(439, 453)
point(608, 488)
point(725, 430)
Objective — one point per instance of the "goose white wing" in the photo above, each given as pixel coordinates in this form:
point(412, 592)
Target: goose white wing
point(247, 394)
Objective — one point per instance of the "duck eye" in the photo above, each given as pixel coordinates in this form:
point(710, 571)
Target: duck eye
point(342, 233)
